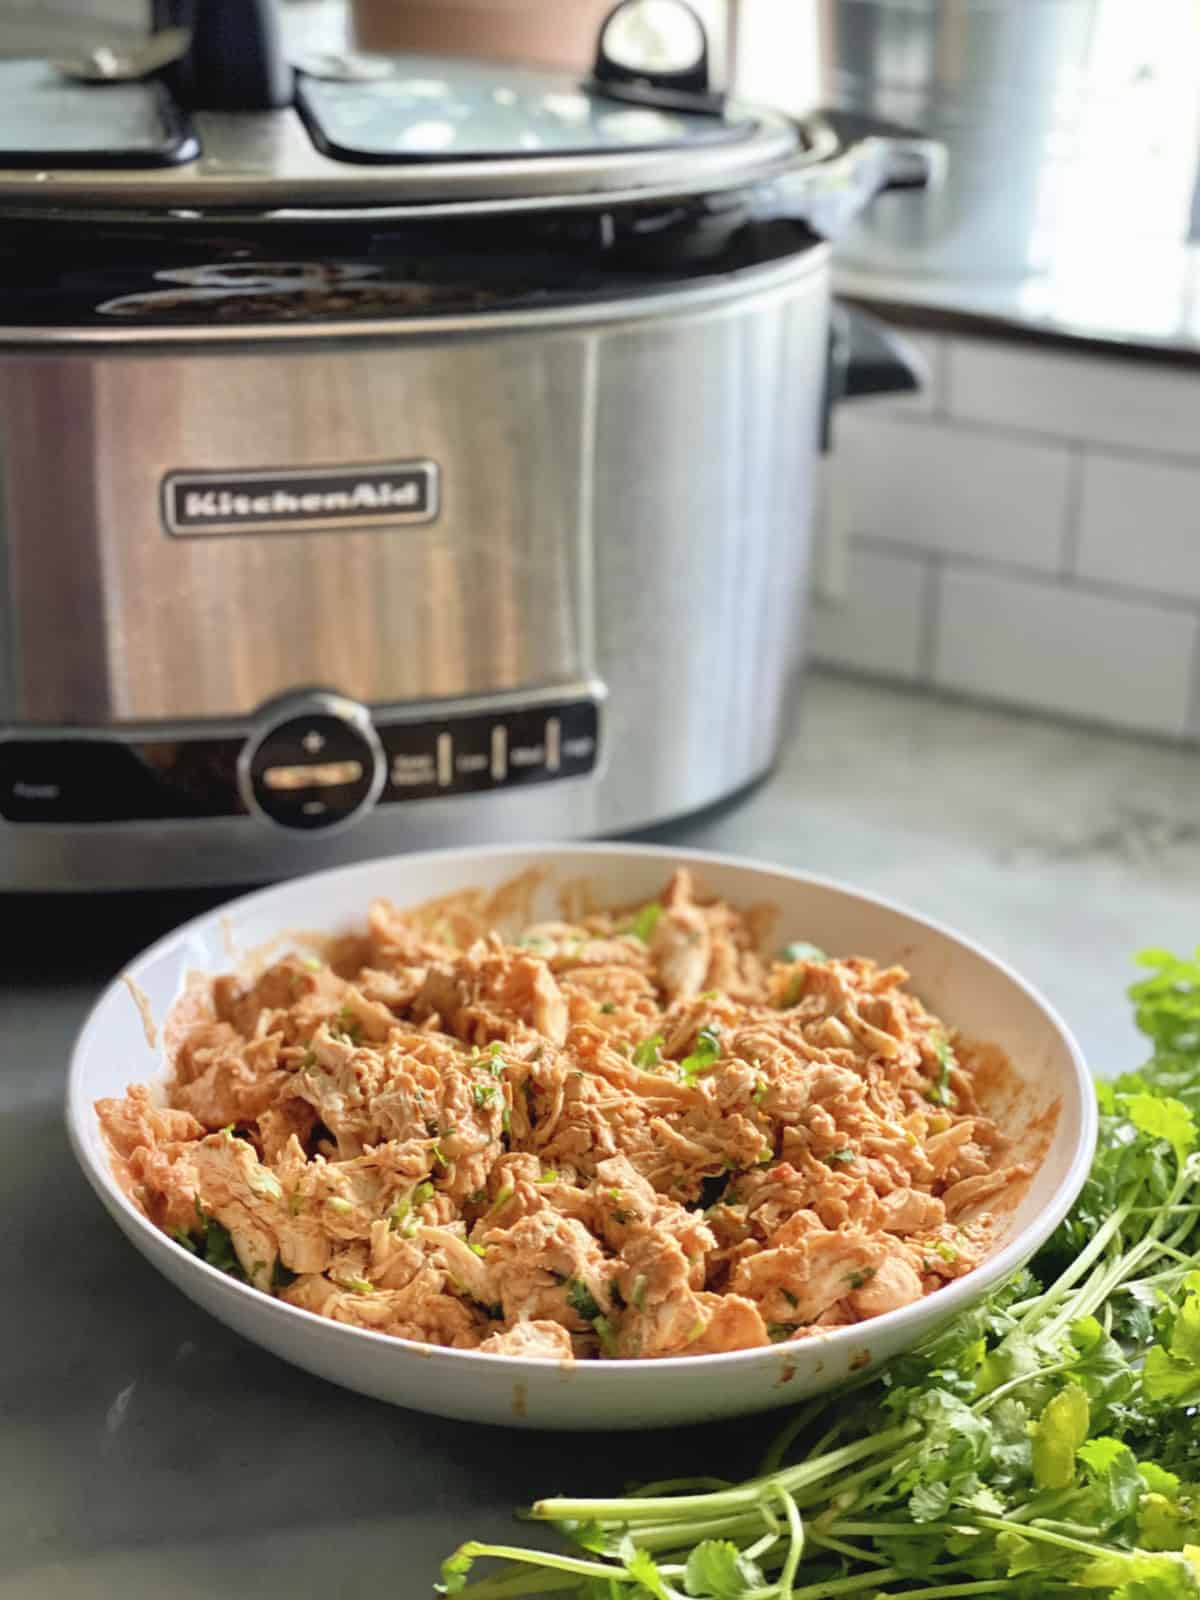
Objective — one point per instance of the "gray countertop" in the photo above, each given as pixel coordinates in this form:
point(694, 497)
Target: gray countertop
point(146, 1451)
point(1145, 303)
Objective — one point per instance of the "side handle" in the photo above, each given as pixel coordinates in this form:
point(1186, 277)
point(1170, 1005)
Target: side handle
point(866, 358)
point(905, 158)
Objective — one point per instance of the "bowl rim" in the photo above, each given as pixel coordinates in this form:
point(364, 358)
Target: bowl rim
point(939, 1308)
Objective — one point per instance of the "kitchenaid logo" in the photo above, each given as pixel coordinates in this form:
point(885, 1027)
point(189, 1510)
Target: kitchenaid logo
point(196, 503)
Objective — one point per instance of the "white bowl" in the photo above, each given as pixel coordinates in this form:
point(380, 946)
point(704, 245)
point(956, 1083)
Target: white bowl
point(969, 989)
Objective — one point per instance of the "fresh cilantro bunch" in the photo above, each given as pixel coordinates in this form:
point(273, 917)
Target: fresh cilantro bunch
point(1046, 1441)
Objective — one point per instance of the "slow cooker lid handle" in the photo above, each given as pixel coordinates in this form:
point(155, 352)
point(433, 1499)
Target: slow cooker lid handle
point(235, 59)
point(655, 53)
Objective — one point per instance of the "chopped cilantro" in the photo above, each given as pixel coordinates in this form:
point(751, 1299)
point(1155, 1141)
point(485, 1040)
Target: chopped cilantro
point(608, 1008)
point(778, 1331)
point(347, 1025)
point(608, 1335)
point(795, 990)
point(857, 1279)
point(484, 1093)
point(185, 1240)
point(281, 1277)
point(648, 1054)
point(219, 1251)
point(704, 1056)
point(801, 950)
point(840, 1158)
point(581, 1299)
point(645, 921)
point(939, 1091)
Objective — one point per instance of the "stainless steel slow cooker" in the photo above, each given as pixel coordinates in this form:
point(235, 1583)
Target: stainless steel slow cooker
point(398, 451)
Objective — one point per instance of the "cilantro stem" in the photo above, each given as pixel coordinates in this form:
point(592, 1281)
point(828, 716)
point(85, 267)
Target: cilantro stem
point(672, 1486)
point(1079, 1268)
point(830, 1588)
point(760, 1547)
point(997, 1394)
point(828, 1542)
point(890, 1530)
point(1031, 1530)
point(748, 1495)
point(784, 1440)
point(674, 1535)
point(517, 1582)
point(944, 1591)
point(544, 1558)
point(795, 1550)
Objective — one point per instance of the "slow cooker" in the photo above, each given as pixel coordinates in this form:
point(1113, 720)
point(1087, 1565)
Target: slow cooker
point(395, 451)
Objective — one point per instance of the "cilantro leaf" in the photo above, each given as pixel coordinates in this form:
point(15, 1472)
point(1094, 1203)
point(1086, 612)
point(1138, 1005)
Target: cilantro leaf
point(717, 1570)
point(581, 1300)
point(645, 920)
point(939, 1091)
point(1057, 1435)
point(1162, 1118)
point(648, 1054)
point(704, 1056)
point(640, 1564)
point(801, 950)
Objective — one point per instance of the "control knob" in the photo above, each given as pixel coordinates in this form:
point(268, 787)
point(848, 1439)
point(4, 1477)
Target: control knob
point(314, 763)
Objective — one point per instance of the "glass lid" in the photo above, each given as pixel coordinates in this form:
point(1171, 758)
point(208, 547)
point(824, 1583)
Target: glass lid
point(47, 120)
point(426, 109)
point(202, 132)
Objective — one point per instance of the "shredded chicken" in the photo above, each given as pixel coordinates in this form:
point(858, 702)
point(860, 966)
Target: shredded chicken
point(628, 1135)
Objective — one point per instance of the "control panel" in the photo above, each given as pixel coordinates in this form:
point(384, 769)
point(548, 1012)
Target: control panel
point(311, 762)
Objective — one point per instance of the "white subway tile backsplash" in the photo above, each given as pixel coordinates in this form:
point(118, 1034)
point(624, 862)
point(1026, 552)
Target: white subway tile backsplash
point(1065, 649)
point(1140, 525)
point(1091, 398)
point(878, 627)
point(956, 491)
